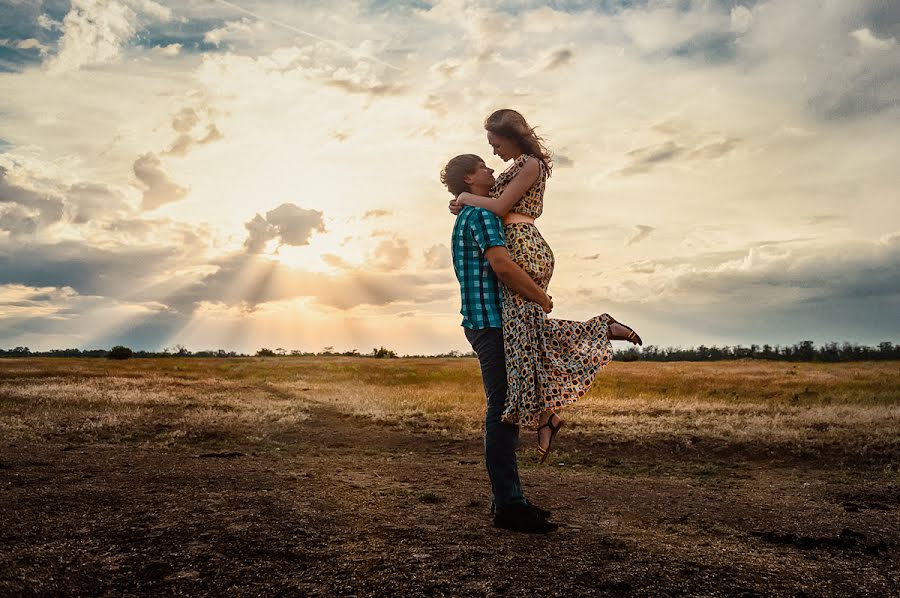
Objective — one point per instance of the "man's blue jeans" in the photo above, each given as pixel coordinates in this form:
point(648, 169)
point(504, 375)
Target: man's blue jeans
point(500, 439)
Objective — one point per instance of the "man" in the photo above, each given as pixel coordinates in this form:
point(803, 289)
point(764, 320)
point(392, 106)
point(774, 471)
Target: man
point(480, 258)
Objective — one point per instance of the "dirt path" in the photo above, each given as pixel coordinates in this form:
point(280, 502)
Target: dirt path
point(344, 506)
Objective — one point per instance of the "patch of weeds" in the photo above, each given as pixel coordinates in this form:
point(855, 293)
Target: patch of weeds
point(430, 498)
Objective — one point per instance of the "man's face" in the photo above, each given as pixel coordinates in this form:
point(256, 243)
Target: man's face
point(482, 178)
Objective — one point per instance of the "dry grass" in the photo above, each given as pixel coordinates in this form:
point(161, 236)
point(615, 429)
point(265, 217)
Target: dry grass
point(855, 407)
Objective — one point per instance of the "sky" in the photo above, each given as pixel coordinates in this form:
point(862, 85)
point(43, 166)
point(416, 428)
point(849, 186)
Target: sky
point(253, 174)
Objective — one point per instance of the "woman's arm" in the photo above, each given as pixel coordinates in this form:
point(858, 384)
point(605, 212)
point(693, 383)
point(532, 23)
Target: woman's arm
point(514, 191)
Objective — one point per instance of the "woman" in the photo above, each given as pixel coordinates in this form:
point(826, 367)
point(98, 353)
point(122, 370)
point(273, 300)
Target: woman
point(550, 363)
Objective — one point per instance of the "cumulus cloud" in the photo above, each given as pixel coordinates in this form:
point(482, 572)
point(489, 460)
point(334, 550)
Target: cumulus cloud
point(868, 40)
point(185, 122)
point(169, 50)
point(92, 201)
point(231, 30)
point(741, 19)
point(45, 22)
point(23, 210)
point(289, 223)
point(390, 254)
point(94, 31)
point(158, 188)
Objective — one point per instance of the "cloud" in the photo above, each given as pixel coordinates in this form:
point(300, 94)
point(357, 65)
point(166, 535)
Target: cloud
point(741, 19)
point(562, 161)
point(379, 213)
point(232, 29)
point(868, 41)
point(91, 201)
point(94, 32)
point(158, 188)
point(687, 147)
point(249, 280)
point(185, 120)
point(336, 261)
point(294, 225)
point(390, 254)
point(24, 211)
point(645, 159)
point(554, 59)
point(115, 271)
point(354, 81)
point(640, 232)
point(184, 123)
point(289, 223)
point(46, 22)
point(438, 257)
point(169, 50)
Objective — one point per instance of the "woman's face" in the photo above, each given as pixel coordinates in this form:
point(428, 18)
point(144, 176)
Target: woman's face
point(505, 148)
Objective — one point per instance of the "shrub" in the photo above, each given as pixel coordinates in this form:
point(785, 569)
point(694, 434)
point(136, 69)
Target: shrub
point(119, 352)
point(382, 353)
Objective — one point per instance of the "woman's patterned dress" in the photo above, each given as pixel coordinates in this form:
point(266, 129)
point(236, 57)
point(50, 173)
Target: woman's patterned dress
point(550, 363)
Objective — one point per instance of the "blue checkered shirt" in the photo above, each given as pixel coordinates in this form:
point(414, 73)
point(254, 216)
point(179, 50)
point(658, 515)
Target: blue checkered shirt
point(475, 231)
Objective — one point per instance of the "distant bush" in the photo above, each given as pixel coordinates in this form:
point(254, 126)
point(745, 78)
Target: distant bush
point(119, 352)
point(382, 353)
point(265, 353)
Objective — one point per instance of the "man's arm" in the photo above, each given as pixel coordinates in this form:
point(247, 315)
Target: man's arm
point(516, 278)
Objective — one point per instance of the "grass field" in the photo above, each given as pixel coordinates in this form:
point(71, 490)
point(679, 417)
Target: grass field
point(716, 478)
point(802, 406)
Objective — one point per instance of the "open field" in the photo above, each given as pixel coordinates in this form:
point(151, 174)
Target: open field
point(341, 476)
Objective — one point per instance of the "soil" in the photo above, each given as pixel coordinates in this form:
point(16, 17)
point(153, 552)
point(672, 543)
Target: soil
point(347, 506)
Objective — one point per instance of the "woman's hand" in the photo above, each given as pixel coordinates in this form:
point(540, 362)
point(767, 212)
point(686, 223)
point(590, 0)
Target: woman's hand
point(547, 304)
point(463, 198)
point(455, 207)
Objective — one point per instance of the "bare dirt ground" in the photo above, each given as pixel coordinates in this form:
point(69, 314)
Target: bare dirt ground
point(339, 504)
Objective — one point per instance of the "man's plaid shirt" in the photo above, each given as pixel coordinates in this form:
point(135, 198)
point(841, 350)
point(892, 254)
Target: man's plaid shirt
point(475, 231)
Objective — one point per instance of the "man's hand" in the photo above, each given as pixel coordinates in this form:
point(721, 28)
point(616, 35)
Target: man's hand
point(455, 207)
point(516, 278)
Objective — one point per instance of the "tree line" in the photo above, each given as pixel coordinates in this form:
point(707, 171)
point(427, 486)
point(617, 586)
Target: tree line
point(802, 351)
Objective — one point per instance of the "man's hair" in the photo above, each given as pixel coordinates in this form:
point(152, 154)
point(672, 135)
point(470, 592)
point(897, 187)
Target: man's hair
point(453, 176)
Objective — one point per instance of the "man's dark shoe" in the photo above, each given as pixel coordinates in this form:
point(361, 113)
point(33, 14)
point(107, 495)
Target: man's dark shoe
point(522, 518)
point(542, 512)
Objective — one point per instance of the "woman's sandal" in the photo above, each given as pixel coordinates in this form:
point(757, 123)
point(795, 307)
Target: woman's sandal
point(632, 336)
point(543, 452)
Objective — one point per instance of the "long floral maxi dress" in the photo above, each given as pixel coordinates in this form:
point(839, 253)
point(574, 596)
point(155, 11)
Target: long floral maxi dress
point(550, 363)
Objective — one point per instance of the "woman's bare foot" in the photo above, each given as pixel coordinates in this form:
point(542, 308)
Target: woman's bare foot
point(621, 332)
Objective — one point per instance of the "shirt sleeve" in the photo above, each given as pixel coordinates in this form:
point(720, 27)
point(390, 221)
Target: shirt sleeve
point(487, 230)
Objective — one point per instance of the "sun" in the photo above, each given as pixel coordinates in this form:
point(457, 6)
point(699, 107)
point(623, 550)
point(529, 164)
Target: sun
point(326, 253)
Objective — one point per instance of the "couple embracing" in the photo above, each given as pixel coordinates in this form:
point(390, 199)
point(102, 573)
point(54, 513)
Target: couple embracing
point(531, 365)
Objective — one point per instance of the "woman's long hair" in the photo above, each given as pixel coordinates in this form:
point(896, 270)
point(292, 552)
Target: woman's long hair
point(512, 125)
